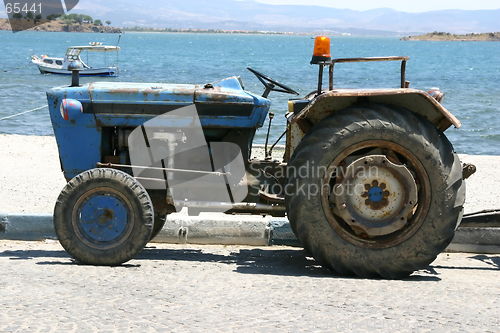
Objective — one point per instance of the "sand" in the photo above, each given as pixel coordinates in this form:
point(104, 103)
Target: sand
point(31, 177)
point(30, 174)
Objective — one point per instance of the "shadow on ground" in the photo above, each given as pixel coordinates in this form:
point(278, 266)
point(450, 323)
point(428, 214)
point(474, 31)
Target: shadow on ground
point(280, 262)
point(273, 261)
point(283, 262)
point(492, 262)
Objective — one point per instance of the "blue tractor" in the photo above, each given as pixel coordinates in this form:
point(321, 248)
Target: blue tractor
point(369, 182)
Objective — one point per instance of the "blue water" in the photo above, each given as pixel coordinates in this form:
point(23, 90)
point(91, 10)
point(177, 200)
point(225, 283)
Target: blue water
point(468, 72)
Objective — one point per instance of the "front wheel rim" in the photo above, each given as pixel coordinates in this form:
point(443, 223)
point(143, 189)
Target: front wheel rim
point(103, 218)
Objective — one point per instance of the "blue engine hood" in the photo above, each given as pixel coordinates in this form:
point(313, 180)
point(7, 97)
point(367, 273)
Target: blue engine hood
point(228, 90)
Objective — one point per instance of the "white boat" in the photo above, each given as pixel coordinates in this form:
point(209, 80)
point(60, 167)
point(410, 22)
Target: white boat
point(60, 65)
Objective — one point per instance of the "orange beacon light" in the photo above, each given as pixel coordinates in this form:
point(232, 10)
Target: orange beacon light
point(321, 54)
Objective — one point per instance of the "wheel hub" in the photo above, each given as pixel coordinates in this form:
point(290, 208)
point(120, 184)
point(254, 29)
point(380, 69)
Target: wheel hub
point(374, 196)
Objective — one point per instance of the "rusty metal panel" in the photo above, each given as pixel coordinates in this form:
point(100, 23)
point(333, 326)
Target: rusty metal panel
point(332, 101)
point(123, 93)
point(223, 92)
point(412, 99)
point(294, 137)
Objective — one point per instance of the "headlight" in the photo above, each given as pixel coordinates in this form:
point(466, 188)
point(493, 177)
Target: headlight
point(70, 109)
point(437, 94)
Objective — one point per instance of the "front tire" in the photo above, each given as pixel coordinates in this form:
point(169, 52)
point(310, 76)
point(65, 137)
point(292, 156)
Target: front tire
point(159, 222)
point(387, 194)
point(103, 217)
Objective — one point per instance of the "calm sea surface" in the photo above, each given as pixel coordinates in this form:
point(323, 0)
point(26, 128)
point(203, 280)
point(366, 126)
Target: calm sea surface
point(468, 72)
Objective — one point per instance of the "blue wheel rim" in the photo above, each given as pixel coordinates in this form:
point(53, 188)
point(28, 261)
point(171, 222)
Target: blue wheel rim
point(103, 218)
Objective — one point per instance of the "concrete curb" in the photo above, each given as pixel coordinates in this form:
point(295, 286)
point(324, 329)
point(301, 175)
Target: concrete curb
point(28, 227)
point(209, 228)
point(215, 229)
point(476, 240)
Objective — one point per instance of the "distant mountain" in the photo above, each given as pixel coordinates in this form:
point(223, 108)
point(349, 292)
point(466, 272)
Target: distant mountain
point(251, 15)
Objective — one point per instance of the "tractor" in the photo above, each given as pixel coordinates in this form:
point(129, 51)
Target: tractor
point(369, 182)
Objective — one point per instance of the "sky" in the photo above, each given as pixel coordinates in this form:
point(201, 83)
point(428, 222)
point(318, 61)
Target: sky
point(414, 6)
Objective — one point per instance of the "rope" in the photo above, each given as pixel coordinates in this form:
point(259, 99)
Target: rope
point(15, 115)
point(13, 69)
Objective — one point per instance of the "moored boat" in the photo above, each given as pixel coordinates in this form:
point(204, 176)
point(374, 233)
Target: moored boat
point(53, 65)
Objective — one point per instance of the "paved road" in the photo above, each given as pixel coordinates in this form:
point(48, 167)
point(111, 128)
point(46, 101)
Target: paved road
point(191, 288)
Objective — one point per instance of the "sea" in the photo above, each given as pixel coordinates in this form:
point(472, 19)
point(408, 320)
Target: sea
point(467, 72)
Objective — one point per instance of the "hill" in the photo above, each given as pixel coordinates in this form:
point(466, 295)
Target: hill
point(446, 36)
point(59, 26)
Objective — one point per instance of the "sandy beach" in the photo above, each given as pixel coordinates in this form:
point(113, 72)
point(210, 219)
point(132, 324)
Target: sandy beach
point(30, 174)
point(31, 177)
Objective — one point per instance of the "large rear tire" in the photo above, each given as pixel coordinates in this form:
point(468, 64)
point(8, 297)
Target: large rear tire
point(103, 217)
point(375, 191)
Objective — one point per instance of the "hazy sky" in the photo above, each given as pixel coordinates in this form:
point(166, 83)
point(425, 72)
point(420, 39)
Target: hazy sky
point(401, 5)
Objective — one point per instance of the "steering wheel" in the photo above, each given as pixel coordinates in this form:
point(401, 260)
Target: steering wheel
point(271, 84)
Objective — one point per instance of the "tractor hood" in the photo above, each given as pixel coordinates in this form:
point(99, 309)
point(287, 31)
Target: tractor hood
point(229, 90)
point(223, 103)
